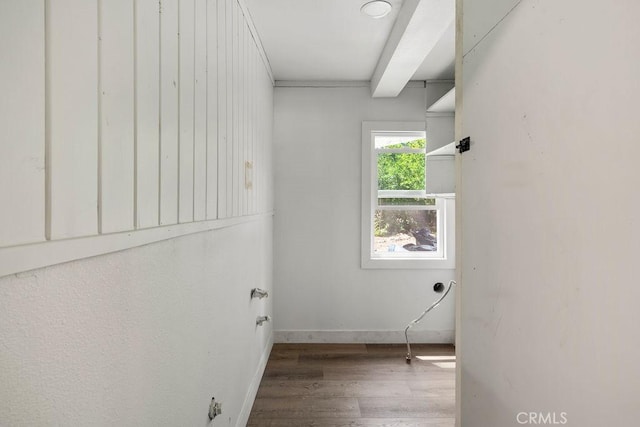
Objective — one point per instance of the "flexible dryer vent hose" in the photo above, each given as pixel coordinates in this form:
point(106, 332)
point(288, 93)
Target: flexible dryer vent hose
point(424, 313)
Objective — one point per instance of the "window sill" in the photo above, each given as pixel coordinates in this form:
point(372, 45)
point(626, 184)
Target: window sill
point(407, 264)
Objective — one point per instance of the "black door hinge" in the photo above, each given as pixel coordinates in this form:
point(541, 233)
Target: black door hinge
point(464, 145)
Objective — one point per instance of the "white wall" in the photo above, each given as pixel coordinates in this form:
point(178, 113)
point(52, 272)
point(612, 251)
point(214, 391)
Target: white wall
point(112, 116)
point(322, 294)
point(549, 201)
point(142, 337)
point(129, 123)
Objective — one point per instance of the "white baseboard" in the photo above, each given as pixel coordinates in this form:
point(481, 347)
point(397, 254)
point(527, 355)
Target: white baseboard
point(368, 337)
point(245, 412)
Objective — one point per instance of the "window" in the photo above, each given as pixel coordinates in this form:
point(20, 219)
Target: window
point(403, 226)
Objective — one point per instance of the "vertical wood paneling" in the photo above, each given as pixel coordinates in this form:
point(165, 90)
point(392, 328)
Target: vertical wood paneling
point(247, 147)
point(242, 68)
point(236, 108)
point(200, 111)
point(262, 133)
point(256, 143)
point(212, 109)
point(252, 97)
point(147, 26)
point(186, 91)
point(122, 114)
point(22, 121)
point(231, 54)
point(223, 112)
point(168, 112)
point(249, 109)
point(267, 147)
point(116, 115)
point(254, 118)
point(72, 117)
point(254, 129)
point(248, 118)
point(256, 135)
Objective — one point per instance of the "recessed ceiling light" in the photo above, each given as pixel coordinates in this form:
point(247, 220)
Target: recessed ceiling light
point(376, 9)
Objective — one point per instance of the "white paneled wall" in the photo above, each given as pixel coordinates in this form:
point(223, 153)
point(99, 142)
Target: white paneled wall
point(169, 112)
point(213, 127)
point(72, 116)
point(116, 110)
point(232, 89)
point(200, 113)
point(147, 120)
point(222, 107)
point(120, 115)
point(22, 123)
point(186, 91)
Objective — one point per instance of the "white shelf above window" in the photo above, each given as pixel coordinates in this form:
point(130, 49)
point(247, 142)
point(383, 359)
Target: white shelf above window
point(440, 130)
point(445, 150)
point(445, 104)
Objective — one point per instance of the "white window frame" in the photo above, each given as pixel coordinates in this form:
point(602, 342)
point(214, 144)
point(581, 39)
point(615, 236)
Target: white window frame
point(445, 206)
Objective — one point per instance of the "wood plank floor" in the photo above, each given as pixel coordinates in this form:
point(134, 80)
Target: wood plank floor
point(356, 385)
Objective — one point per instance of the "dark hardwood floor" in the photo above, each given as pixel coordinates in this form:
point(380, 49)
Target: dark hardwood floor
point(359, 385)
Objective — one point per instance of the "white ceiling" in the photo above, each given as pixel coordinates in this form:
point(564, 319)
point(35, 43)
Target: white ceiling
point(331, 40)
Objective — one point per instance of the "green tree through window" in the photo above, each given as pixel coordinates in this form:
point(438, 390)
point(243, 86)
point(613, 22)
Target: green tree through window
point(402, 171)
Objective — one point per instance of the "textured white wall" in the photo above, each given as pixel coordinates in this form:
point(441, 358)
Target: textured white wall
point(142, 337)
point(321, 291)
point(549, 204)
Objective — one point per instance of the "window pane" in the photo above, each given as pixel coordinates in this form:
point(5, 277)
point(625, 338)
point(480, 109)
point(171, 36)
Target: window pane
point(406, 201)
point(405, 231)
point(401, 171)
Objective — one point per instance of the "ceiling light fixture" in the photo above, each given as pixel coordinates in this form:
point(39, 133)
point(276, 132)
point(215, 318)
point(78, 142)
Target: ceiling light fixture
point(376, 9)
